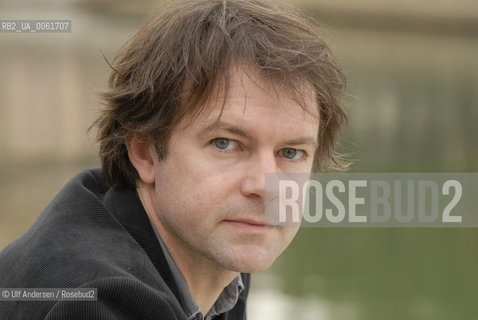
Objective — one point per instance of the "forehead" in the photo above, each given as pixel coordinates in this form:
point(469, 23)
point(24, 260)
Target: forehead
point(248, 98)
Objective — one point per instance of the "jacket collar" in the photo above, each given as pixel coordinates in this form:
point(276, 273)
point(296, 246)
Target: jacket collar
point(126, 206)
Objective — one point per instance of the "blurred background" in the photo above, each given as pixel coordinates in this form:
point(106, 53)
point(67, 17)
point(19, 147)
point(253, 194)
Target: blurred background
point(412, 69)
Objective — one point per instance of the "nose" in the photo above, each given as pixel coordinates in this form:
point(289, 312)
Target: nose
point(254, 182)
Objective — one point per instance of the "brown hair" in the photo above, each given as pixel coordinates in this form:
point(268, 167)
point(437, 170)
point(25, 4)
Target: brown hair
point(171, 66)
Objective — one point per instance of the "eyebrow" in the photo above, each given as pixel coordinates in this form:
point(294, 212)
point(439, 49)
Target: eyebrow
point(307, 140)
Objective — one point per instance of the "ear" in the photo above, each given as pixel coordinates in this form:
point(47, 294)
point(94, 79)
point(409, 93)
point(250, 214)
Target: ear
point(143, 157)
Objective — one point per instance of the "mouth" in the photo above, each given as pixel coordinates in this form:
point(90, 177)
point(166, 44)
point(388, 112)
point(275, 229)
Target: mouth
point(249, 225)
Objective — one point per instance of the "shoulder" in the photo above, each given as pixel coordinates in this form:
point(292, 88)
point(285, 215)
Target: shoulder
point(76, 242)
point(75, 232)
point(119, 298)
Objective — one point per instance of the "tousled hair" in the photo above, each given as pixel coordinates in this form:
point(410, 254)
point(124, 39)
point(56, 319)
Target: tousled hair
point(170, 68)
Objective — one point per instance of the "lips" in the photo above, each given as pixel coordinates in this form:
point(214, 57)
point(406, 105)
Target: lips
point(249, 224)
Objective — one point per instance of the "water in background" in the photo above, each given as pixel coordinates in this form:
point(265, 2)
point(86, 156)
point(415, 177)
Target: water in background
point(413, 107)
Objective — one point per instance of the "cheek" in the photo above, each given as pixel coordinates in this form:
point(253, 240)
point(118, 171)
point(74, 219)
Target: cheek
point(290, 233)
point(193, 205)
point(193, 193)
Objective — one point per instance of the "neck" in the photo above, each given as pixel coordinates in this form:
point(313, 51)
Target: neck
point(204, 278)
point(205, 282)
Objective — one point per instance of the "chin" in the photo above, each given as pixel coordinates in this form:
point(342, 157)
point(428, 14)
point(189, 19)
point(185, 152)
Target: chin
point(248, 263)
point(248, 267)
point(255, 268)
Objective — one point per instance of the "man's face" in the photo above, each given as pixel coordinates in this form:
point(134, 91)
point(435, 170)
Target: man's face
point(209, 191)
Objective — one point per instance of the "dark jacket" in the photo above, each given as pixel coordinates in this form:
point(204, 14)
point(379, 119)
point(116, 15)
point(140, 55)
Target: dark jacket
point(91, 236)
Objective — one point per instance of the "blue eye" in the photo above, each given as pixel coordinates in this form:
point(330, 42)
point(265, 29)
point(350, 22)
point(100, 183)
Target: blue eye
point(224, 143)
point(292, 154)
point(221, 143)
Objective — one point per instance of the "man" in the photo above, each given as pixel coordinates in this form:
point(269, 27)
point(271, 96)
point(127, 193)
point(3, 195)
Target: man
point(203, 101)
